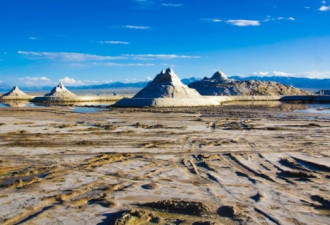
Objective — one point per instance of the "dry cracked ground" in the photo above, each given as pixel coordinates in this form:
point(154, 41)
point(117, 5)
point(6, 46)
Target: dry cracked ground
point(222, 165)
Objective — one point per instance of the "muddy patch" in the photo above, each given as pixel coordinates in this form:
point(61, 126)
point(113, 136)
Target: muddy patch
point(178, 206)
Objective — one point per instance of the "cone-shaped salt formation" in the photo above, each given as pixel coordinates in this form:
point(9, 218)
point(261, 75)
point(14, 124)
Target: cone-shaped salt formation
point(220, 85)
point(167, 85)
point(16, 94)
point(166, 90)
point(58, 94)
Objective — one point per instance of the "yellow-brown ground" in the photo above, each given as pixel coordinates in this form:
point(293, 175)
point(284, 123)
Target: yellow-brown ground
point(223, 165)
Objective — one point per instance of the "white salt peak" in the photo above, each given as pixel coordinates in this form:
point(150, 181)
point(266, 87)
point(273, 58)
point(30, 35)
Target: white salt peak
point(61, 92)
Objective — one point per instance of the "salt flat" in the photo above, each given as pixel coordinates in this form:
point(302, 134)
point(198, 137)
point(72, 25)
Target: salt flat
point(216, 165)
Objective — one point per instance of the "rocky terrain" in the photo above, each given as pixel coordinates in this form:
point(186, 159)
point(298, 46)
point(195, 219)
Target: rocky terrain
point(219, 85)
point(253, 164)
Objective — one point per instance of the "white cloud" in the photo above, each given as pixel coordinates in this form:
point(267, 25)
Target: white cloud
point(71, 81)
point(280, 73)
point(324, 8)
point(313, 74)
point(240, 23)
point(35, 81)
point(244, 23)
point(271, 18)
point(44, 81)
point(67, 56)
point(114, 42)
point(324, 2)
point(171, 5)
point(159, 56)
point(136, 27)
point(261, 73)
point(280, 18)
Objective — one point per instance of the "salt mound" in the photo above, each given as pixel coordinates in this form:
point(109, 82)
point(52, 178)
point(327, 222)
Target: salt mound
point(166, 90)
point(58, 94)
point(167, 85)
point(16, 94)
point(220, 85)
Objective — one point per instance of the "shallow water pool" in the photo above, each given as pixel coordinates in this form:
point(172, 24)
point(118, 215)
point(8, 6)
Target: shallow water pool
point(315, 108)
point(87, 109)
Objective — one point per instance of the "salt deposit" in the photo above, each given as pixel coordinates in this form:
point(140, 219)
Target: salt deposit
point(58, 94)
point(16, 94)
point(167, 90)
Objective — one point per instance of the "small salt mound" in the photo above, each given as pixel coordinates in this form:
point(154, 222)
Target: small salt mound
point(60, 92)
point(16, 94)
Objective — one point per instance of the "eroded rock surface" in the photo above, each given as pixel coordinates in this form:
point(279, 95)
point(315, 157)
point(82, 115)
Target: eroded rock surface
point(220, 85)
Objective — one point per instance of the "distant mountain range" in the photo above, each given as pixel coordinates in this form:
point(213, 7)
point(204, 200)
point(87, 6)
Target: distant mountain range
point(304, 83)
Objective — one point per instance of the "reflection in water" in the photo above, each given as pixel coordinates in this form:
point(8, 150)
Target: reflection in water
point(16, 104)
point(316, 108)
point(73, 104)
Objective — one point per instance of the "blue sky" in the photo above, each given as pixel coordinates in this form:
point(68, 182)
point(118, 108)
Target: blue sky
point(98, 41)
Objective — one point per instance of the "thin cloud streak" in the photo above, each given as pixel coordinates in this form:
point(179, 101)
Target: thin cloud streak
point(244, 23)
point(110, 64)
point(172, 5)
point(136, 27)
point(67, 56)
point(80, 57)
point(159, 56)
point(115, 42)
point(214, 20)
point(155, 4)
